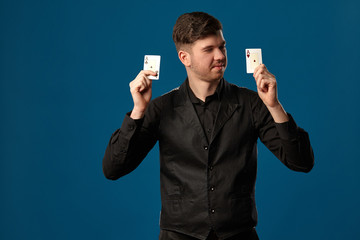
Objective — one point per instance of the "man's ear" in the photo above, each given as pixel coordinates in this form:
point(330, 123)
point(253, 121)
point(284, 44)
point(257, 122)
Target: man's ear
point(184, 57)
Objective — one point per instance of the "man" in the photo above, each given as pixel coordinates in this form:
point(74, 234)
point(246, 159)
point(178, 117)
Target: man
point(207, 131)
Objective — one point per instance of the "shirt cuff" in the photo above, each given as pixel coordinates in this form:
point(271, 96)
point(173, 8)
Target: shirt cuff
point(129, 125)
point(287, 130)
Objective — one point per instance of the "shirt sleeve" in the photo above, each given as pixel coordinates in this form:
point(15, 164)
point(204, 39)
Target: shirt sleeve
point(130, 144)
point(288, 142)
point(287, 130)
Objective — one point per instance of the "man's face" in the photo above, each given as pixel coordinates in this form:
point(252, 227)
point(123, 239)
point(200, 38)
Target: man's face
point(208, 58)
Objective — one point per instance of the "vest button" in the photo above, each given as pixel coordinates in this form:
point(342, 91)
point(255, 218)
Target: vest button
point(206, 147)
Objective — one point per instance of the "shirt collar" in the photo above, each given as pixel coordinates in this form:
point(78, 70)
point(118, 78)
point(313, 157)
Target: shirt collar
point(195, 100)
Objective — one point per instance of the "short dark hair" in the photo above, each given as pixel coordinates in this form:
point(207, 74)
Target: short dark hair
point(190, 27)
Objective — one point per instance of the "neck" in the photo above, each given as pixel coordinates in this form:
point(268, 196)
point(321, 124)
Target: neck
point(203, 89)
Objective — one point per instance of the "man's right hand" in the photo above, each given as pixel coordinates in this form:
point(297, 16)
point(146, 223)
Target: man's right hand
point(140, 89)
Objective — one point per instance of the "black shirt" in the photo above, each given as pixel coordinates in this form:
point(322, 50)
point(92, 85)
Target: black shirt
point(207, 111)
point(207, 184)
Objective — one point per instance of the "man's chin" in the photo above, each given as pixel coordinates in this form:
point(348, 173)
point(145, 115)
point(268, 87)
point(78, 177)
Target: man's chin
point(219, 74)
point(215, 78)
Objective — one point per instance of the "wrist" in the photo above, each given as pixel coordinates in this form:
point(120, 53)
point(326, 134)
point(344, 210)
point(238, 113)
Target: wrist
point(274, 106)
point(278, 113)
point(137, 114)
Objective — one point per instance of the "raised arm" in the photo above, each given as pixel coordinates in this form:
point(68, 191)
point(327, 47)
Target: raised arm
point(277, 129)
point(129, 145)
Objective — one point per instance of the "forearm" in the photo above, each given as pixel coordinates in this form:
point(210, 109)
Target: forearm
point(289, 143)
point(126, 149)
point(278, 113)
point(116, 162)
point(137, 114)
point(295, 150)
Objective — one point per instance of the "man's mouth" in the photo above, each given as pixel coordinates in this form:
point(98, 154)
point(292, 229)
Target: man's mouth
point(219, 66)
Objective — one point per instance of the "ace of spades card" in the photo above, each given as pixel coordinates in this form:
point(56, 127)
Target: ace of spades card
point(152, 62)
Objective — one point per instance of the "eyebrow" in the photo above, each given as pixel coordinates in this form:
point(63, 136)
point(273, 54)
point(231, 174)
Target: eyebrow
point(211, 46)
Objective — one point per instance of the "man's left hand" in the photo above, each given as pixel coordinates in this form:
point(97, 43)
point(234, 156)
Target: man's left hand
point(266, 86)
point(267, 90)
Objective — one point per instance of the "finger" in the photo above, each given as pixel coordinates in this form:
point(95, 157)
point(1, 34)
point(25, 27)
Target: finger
point(147, 80)
point(136, 86)
point(149, 83)
point(149, 72)
point(258, 82)
point(144, 83)
point(258, 69)
point(263, 85)
point(259, 76)
point(141, 82)
point(142, 75)
point(266, 72)
point(140, 79)
point(144, 86)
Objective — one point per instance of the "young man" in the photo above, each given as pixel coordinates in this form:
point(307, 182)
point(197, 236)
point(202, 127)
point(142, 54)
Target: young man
point(207, 131)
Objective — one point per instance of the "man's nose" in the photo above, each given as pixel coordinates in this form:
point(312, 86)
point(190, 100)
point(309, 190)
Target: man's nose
point(219, 54)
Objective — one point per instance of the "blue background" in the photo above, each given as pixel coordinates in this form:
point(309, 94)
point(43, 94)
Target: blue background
point(64, 73)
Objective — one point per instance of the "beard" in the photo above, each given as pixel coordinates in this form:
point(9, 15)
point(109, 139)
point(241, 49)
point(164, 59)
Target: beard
point(213, 72)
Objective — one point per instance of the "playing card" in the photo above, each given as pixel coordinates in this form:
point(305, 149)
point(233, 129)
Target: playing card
point(152, 62)
point(253, 59)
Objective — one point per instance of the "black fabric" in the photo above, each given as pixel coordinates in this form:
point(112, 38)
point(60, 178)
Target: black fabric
point(207, 111)
point(170, 235)
point(207, 183)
